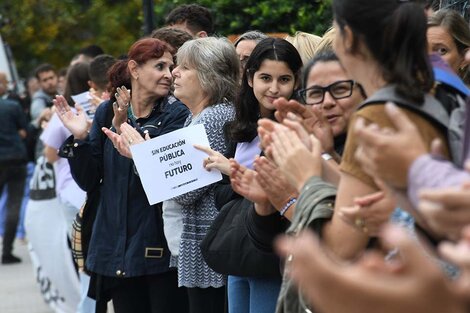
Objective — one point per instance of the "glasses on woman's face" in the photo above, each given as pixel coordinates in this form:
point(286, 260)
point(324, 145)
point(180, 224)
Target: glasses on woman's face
point(316, 94)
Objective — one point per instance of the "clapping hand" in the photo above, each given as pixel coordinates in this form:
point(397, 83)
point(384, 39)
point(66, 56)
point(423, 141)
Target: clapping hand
point(129, 136)
point(244, 183)
point(446, 211)
point(293, 158)
point(370, 212)
point(310, 118)
point(409, 282)
point(273, 182)
point(120, 106)
point(77, 123)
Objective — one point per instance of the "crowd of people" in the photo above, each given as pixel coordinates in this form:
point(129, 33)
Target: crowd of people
point(344, 160)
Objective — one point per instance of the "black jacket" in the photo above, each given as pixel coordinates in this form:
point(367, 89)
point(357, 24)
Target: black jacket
point(127, 237)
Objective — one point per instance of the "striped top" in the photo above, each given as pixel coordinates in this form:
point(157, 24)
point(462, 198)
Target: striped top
point(198, 206)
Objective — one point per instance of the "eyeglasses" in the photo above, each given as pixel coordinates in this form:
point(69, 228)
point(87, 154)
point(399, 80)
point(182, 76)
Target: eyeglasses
point(316, 94)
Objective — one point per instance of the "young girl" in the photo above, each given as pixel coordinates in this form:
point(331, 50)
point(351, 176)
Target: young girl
point(271, 72)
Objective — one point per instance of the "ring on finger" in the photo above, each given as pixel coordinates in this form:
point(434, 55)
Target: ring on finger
point(208, 159)
point(131, 141)
point(359, 222)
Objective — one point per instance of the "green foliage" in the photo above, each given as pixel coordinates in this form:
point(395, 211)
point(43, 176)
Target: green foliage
point(272, 16)
point(54, 30)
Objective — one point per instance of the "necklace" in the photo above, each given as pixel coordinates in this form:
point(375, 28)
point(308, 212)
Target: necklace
point(131, 114)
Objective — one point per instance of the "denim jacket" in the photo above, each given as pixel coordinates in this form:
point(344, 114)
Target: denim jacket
point(127, 238)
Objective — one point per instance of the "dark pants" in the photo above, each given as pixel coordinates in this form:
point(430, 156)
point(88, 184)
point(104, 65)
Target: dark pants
point(207, 300)
point(153, 293)
point(14, 177)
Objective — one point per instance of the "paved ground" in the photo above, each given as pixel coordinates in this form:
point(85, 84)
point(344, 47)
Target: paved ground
point(19, 292)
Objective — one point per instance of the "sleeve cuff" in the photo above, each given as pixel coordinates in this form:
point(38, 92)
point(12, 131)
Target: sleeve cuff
point(69, 148)
point(429, 172)
point(268, 222)
point(315, 205)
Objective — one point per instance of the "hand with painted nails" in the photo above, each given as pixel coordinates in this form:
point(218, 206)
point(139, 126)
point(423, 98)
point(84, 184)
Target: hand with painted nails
point(120, 107)
point(214, 160)
point(77, 123)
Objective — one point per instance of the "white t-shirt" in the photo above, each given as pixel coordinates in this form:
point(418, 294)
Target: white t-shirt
point(67, 189)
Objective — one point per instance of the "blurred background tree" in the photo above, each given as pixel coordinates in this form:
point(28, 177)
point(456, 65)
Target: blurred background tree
point(54, 30)
point(271, 16)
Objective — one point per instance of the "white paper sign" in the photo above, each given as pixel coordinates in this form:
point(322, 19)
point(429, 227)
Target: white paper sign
point(170, 166)
point(84, 99)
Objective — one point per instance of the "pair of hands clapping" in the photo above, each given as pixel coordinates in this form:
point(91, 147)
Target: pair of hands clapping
point(409, 282)
point(79, 124)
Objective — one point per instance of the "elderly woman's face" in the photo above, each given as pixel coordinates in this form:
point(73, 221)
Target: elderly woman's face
point(244, 49)
point(154, 76)
point(186, 84)
point(440, 41)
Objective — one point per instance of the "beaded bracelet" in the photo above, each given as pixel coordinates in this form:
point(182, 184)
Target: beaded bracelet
point(287, 206)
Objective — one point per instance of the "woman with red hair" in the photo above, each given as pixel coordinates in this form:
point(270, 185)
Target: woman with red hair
point(128, 253)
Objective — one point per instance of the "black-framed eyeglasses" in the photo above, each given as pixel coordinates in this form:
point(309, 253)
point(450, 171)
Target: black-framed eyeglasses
point(316, 94)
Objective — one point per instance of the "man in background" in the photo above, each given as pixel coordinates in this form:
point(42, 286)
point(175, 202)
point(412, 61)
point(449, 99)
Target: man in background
point(192, 18)
point(42, 99)
point(13, 160)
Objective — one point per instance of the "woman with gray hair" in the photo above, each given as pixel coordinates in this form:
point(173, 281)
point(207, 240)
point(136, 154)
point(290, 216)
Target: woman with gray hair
point(245, 44)
point(206, 80)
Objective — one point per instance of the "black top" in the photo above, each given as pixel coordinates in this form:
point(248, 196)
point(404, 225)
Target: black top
point(127, 238)
point(12, 119)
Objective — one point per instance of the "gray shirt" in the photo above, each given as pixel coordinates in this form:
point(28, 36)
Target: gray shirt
point(40, 101)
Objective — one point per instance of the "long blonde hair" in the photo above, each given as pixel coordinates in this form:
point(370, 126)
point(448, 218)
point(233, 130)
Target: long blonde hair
point(305, 43)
